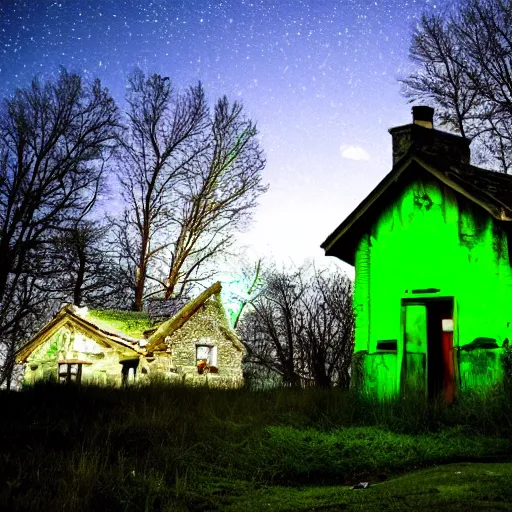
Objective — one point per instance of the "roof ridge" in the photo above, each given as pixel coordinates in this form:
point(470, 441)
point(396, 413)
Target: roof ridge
point(178, 320)
point(490, 190)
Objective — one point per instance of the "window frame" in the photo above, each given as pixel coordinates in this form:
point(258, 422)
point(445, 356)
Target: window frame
point(68, 377)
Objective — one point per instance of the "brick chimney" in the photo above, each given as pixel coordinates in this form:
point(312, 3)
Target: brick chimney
point(422, 136)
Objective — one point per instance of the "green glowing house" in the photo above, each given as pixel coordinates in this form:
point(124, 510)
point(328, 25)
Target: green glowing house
point(432, 250)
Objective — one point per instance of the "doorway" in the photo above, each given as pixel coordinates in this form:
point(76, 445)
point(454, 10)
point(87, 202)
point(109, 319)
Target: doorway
point(428, 364)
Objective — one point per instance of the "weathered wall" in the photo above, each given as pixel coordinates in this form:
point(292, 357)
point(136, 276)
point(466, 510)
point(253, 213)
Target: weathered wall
point(207, 327)
point(429, 238)
point(67, 343)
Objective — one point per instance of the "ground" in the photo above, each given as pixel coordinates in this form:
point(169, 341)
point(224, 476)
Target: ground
point(163, 448)
point(454, 487)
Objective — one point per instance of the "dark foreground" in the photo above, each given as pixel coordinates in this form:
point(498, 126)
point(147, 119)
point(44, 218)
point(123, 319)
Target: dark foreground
point(164, 448)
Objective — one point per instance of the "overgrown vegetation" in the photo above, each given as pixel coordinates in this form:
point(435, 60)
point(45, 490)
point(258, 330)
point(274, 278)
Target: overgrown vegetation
point(132, 323)
point(178, 448)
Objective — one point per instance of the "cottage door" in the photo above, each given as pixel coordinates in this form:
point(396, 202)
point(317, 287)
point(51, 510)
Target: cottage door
point(414, 364)
point(428, 364)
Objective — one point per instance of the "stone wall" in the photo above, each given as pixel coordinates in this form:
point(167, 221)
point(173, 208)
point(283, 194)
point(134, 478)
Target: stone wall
point(209, 326)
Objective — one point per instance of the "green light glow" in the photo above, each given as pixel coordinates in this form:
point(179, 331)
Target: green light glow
point(240, 289)
point(441, 246)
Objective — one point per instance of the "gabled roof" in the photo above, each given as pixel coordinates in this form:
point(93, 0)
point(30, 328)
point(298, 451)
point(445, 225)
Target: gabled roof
point(156, 341)
point(68, 316)
point(102, 333)
point(490, 190)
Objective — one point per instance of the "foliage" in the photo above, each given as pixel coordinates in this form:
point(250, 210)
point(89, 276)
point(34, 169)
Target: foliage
point(171, 447)
point(506, 361)
point(132, 323)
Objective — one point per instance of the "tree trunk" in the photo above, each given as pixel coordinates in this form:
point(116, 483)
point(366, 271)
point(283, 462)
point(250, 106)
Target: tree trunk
point(172, 281)
point(80, 276)
point(139, 287)
point(140, 278)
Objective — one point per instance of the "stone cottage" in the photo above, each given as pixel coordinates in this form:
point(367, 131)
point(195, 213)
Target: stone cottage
point(432, 250)
point(196, 346)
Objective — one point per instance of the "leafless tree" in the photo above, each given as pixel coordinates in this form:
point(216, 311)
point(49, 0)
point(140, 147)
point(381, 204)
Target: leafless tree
point(270, 331)
point(189, 180)
point(84, 268)
point(165, 134)
point(328, 338)
point(54, 140)
point(465, 71)
point(301, 327)
point(247, 286)
point(218, 195)
point(441, 78)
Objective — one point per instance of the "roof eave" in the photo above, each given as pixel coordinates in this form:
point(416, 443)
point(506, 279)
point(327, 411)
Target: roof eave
point(63, 315)
point(329, 245)
point(332, 245)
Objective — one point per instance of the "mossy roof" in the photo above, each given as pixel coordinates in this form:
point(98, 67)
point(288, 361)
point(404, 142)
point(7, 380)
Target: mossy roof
point(127, 328)
point(130, 323)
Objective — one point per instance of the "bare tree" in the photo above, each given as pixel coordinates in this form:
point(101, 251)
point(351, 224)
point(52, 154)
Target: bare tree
point(328, 337)
point(442, 78)
point(190, 181)
point(243, 288)
point(272, 329)
point(218, 195)
point(465, 71)
point(164, 135)
point(301, 327)
point(85, 270)
point(54, 140)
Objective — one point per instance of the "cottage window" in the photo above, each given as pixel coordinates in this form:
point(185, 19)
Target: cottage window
point(70, 372)
point(206, 356)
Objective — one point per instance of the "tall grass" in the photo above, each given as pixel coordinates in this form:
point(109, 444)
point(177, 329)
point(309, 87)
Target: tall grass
point(164, 447)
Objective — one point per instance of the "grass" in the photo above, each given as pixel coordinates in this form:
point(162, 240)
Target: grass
point(176, 448)
point(454, 487)
point(132, 323)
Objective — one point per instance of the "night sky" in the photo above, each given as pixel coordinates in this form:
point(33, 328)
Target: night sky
point(319, 77)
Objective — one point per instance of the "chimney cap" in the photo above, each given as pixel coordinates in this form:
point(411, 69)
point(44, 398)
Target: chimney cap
point(423, 116)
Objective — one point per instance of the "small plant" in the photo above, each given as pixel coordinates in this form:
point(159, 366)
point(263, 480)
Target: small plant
point(506, 361)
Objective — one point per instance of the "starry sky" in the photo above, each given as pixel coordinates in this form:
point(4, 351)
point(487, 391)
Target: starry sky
point(320, 77)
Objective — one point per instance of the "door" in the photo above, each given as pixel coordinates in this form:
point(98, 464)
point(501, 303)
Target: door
point(428, 364)
point(414, 370)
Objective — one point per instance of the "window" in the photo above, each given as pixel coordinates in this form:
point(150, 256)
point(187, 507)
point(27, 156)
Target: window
point(206, 358)
point(70, 372)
